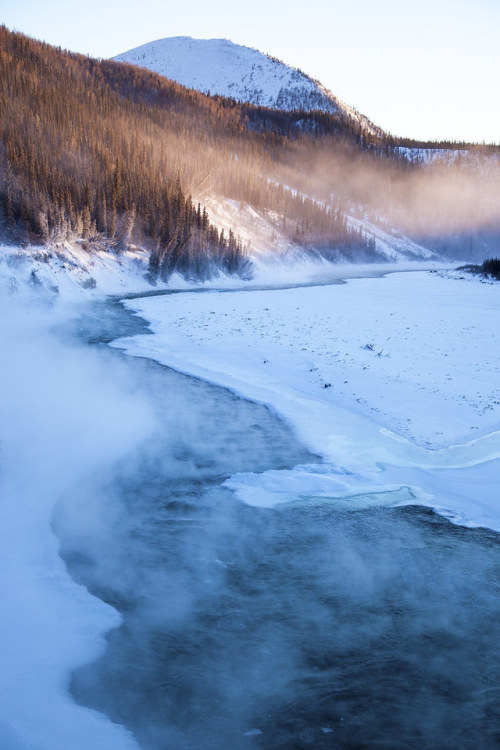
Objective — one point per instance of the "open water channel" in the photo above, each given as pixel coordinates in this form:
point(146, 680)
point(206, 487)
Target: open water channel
point(301, 626)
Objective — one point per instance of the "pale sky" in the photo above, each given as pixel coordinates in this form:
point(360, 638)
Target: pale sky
point(427, 69)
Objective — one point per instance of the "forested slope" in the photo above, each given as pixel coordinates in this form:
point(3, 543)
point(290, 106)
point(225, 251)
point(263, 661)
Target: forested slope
point(110, 154)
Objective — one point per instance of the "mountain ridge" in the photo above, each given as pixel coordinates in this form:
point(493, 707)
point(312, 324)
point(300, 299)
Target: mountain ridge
point(223, 68)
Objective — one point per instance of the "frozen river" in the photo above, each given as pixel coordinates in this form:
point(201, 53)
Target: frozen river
point(304, 624)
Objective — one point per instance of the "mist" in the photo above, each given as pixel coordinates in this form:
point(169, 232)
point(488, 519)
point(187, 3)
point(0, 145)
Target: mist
point(192, 619)
point(302, 625)
point(65, 413)
point(442, 192)
point(446, 199)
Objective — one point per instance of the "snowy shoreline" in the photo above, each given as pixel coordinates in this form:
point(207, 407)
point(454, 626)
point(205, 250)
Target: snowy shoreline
point(393, 380)
point(64, 414)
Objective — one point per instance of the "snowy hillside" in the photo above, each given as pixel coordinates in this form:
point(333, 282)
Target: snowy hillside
point(267, 244)
point(218, 66)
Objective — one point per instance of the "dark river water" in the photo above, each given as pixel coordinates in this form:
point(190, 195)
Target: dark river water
point(302, 626)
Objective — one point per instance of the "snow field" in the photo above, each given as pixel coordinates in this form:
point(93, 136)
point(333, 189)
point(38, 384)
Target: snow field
point(393, 380)
point(415, 352)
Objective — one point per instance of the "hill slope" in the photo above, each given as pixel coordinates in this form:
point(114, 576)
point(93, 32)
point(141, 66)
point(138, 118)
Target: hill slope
point(218, 66)
point(113, 156)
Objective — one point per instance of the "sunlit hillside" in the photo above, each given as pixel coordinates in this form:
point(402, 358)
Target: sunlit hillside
point(112, 155)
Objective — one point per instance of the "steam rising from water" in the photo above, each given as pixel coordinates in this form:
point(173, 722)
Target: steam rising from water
point(65, 413)
point(299, 626)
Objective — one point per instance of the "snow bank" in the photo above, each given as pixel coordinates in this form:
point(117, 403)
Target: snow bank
point(393, 380)
point(64, 414)
point(72, 272)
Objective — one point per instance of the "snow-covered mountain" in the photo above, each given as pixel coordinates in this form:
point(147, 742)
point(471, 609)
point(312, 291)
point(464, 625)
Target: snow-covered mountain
point(218, 66)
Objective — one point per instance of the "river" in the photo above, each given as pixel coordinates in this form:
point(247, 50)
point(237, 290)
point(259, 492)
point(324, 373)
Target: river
point(298, 626)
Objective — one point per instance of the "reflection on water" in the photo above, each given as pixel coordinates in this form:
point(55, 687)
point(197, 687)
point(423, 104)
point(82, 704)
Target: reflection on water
point(302, 626)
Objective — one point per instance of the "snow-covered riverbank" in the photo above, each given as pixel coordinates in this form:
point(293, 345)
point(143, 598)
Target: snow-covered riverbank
point(399, 373)
point(65, 413)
